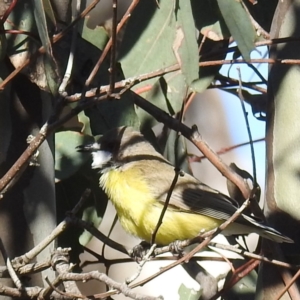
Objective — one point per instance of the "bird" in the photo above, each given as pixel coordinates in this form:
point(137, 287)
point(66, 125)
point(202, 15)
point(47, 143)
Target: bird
point(137, 179)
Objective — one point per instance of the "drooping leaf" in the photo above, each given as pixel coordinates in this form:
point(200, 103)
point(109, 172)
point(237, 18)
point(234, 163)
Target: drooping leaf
point(239, 25)
point(50, 68)
point(185, 43)
point(42, 26)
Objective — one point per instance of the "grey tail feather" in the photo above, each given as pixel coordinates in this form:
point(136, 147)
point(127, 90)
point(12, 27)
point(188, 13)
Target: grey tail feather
point(269, 232)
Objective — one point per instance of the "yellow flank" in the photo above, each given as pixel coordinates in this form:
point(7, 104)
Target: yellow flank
point(139, 212)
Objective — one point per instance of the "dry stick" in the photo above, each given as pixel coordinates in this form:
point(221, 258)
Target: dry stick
point(165, 207)
point(109, 43)
point(256, 210)
point(123, 83)
point(42, 50)
point(112, 68)
point(239, 273)
point(119, 287)
point(247, 126)
point(61, 264)
point(255, 256)
point(203, 244)
point(234, 249)
point(160, 72)
point(171, 189)
point(295, 277)
point(66, 78)
point(250, 85)
point(195, 158)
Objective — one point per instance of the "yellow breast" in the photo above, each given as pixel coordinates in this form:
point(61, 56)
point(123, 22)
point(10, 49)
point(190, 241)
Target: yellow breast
point(138, 211)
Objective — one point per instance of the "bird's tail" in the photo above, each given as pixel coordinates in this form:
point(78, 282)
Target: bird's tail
point(268, 232)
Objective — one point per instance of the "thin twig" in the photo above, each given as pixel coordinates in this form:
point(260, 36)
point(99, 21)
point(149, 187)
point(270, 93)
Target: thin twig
point(166, 204)
point(258, 28)
point(292, 281)
point(112, 68)
point(119, 287)
point(109, 43)
point(66, 78)
point(248, 127)
point(239, 273)
point(196, 158)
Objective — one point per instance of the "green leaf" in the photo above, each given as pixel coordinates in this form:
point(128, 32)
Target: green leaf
point(159, 97)
point(148, 46)
point(208, 19)
point(210, 23)
point(42, 26)
point(185, 41)
point(112, 113)
point(239, 25)
point(67, 159)
point(97, 36)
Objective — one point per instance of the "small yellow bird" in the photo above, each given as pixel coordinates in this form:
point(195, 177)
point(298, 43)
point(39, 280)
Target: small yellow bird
point(137, 178)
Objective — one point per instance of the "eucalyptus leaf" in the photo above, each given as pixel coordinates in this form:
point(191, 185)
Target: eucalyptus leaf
point(239, 25)
point(148, 45)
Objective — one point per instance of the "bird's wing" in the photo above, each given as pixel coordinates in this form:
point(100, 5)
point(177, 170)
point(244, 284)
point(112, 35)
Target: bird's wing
point(189, 194)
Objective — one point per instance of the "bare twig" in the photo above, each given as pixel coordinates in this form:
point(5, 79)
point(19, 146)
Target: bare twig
point(258, 28)
point(292, 281)
point(119, 287)
point(60, 263)
point(66, 78)
point(247, 126)
point(141, 264)
point(166, 204)
point(239, 273)
point(109, 43)
point(195, 158)
point(112, 68)
point(193, 135)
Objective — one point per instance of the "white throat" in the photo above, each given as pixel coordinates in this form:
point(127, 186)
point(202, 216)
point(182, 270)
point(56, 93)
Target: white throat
point(100, 158)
